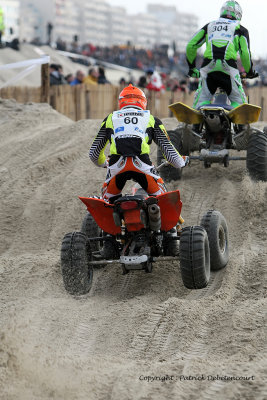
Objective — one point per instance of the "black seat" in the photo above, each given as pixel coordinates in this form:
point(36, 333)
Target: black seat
point(227, 107)
point(128, 197)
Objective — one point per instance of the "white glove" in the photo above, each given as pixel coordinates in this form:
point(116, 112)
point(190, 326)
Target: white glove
point(104, 165)
point(186, 160)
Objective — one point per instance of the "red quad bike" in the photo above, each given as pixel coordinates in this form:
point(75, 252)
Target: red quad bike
point(139, 230)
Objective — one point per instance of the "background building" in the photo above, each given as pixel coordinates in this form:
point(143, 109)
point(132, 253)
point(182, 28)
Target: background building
point(145, 30)
point(180, 26)
point(94, 22)
point(120, 28)
point(30, 22)
point(63, 17)
point(99, 23)
point(11, 9)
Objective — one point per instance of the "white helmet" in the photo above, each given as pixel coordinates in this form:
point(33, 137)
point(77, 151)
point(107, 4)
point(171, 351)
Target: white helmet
point(231, 10)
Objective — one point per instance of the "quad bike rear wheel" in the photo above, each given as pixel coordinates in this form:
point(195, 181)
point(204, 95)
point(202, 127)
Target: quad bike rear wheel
point(75, 256)
point(216, 227)
point(91, 229)
point(257, 156)
point(194, 257)
point(169, 173)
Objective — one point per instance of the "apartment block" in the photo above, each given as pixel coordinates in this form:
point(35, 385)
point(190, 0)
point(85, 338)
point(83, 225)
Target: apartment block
point(11, 10)
point(120, 27)
point(62, 15)
point(30, 22)
point(181, 26)
point(99, 23)
point(94, 22)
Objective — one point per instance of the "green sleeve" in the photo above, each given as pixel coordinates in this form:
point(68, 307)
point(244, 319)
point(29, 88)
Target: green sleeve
point(245, 54)
point(191, 49)
point(244, 49)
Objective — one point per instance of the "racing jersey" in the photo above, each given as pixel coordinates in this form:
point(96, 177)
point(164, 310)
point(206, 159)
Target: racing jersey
point(224, 38)
point(130, 132)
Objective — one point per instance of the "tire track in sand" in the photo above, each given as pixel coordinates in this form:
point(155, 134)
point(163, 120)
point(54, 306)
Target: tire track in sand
point(158, 329)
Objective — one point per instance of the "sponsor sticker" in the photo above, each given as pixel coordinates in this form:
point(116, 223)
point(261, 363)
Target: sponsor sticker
point(119, 129)
point(127, 136)
point(133, 114)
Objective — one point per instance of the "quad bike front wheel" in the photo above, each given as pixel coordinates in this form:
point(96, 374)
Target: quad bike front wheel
point(195, 257)
point(169, 173)
point(75, 256)
point(257, 155)
point(216, 227)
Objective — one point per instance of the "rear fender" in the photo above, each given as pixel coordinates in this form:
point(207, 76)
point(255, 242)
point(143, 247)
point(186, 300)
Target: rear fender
point(186, 114)
point(245, 114)
point(170, 209)
point(102, 212)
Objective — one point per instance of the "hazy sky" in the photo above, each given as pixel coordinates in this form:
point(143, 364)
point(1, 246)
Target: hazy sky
point(254, 16)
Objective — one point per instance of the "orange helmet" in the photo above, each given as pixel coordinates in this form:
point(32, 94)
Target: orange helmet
point(132, 96)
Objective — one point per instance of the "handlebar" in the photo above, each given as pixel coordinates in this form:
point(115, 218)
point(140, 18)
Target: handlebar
point(249, 75)
point(159, 167)
point(165, 163)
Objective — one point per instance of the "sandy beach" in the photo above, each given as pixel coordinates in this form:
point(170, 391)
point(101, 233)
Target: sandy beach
point(139, 336)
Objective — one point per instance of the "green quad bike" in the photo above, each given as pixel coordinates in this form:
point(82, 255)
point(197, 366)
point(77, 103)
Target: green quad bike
point(213, 131)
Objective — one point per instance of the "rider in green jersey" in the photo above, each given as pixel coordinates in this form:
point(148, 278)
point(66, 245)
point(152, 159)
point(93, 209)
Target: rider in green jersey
point(224, 39)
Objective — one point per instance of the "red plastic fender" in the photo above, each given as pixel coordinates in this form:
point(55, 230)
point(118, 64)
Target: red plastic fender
point(102, 212)
point(170, 209)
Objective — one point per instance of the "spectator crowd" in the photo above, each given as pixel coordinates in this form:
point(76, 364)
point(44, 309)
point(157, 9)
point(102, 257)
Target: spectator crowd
point(164, 68)
point(151, 80)
point(96, 75)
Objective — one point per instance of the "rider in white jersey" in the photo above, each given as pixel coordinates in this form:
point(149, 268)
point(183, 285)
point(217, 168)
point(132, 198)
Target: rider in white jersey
point(130, 132)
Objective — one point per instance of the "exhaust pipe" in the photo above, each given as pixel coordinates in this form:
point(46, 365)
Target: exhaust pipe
point(154, 217)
